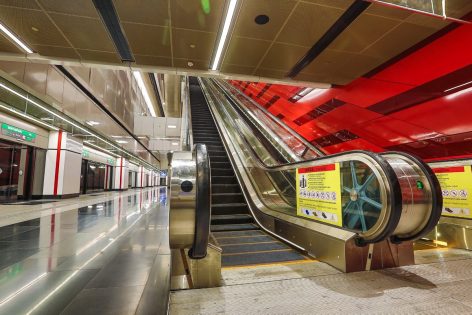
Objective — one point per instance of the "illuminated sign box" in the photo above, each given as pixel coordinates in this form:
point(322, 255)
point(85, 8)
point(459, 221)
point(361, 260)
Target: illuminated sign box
point(18, 133)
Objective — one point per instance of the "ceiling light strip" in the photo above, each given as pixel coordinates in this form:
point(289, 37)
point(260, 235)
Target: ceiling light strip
point(144, 91)
point(224, 33)
point(16, 112)
point(66, 120)
point(15, 39)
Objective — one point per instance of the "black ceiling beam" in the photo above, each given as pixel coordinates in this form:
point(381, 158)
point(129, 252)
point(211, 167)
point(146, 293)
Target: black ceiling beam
point(333, 32)
point(156, 92)
point(106, 10)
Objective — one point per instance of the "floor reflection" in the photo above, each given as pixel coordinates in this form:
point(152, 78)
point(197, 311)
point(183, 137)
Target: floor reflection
point(34, 253)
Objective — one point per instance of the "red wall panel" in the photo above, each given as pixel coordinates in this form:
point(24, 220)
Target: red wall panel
point(421, 104)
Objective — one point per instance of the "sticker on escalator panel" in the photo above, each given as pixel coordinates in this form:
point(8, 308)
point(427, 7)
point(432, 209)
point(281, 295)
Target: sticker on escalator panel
point(456, 185)
point(319, 192)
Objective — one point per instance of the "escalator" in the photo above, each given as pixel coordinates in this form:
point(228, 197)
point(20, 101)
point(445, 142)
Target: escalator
point(232, 225)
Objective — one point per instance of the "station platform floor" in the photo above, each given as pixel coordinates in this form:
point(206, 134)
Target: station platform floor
point(95, 254)
point(107, 253)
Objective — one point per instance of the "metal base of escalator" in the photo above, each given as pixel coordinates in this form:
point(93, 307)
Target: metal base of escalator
point(241, 239)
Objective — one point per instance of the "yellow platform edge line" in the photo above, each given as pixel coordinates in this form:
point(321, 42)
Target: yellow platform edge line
point(282, 263)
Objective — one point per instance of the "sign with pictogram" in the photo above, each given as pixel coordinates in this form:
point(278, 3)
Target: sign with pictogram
point(319, 193)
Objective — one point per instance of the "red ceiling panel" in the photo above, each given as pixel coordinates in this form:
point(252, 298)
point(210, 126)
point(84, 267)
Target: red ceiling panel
point(421, 103)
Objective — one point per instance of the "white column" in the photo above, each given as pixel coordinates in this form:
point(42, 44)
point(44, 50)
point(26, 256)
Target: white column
point(120, 177)
point(63, 166)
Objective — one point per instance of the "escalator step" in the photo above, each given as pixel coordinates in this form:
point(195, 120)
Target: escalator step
point(263, 257)
point(221, 165)
point(224, 179)
point(231, 219)
point(218, 198)
point(222, 172)
point(229, 208)
point(238, 234)
point(244, 239)
point(219, 158)
point(225, 188)
point(233, 227)
point(253, 247)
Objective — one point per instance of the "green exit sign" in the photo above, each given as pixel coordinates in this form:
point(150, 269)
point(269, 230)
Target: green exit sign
point(18, 133)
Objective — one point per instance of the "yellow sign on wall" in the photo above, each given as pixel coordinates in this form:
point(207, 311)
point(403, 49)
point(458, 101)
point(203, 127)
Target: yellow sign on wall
point(456, 186)
point(319, 193)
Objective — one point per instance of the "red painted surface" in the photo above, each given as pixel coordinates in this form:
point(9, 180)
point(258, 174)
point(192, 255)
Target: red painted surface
point(414, 105)
point(121, 173)
point(106, 177)
point(58, 162)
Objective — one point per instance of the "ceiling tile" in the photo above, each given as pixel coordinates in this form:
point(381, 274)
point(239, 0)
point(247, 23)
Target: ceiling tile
point(387, 11)
point(75, 7)
point(277, 11)
point(271, 73)
point(204, 44)
point(428, 21)
point(143, 11)
point(55, 51)
point(147, 39)
point(245, 51)
point(398, 40)
point(197, 64)
point(341, 4)
point(84, 33)
point(308, 23)
point(283, 57)
point(193, 15)
point(364, 31)
point(153, 61)
point(22, 21)
point(99, 56)
point(230, 69)
point(7, 46)
point(20, 3)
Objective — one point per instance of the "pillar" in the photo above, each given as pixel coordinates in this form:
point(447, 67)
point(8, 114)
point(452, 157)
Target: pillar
point(62, 166)
point(120, 178)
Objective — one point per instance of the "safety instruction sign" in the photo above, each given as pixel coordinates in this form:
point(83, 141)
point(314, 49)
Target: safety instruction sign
point(319, 193)
point(456, 186)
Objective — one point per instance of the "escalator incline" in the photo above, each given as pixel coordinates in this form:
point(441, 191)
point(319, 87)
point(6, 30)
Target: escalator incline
point(233, 226)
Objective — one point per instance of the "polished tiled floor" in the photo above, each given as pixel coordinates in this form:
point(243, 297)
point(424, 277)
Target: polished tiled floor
point(440, 283)
point(88, 255)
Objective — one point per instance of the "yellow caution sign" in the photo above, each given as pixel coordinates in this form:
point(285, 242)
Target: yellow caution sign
point(319, 193)
point(456, 186)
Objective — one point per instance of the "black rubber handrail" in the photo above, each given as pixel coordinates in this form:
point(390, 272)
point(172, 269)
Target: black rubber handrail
point(202, 202)
point(436, 194)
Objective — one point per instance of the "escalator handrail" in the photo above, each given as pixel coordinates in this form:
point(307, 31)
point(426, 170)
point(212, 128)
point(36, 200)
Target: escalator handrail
point(202, 202)
point(270, 115)
point(395, 197)
point(436, 195)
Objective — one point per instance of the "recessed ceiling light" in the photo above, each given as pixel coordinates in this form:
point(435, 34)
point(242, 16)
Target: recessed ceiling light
point(47, 118)
point(121, 141)
point(171, 126)
point(92, 123)
point(262, 19)
point(34, 29)
point(14, 38)
point(175, 143)
point(190, 64)
point(193, 45)
point(224, 33)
